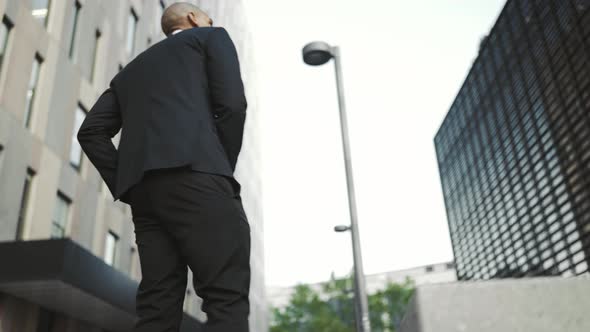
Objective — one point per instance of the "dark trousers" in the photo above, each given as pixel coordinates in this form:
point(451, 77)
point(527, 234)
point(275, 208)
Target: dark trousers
point(188, 218)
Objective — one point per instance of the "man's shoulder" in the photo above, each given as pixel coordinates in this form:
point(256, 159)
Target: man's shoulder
point(205, 32)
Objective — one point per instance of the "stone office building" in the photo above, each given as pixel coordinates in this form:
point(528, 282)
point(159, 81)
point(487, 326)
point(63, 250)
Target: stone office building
point(514, 149)
point(68, 252)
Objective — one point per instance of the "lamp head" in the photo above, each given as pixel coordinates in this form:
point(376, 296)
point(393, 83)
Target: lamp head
point(341, 228)
point(317, 53)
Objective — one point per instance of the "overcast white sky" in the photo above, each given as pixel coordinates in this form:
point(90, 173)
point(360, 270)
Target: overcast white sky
point(404, 62)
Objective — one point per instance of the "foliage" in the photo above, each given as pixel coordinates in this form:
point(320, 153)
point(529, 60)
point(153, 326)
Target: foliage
point(388, 306)
point(332, 308)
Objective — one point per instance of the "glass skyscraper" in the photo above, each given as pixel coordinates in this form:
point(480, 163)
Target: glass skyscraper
point(514, 149)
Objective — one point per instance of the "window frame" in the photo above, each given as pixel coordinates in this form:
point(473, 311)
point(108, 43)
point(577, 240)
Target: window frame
point(55, 224)
point(93, 63)
point(132, 21)
point(112, 258)
point(23, 211)
point(74, 140)
point(45, 22)
point(74, 30)
point(32, 88)
point(8, 26)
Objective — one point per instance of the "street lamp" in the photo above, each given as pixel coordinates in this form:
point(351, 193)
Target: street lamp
point(315, 54)
point(341, 228)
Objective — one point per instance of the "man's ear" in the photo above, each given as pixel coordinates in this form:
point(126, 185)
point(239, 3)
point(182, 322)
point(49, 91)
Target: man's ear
point(192, 19)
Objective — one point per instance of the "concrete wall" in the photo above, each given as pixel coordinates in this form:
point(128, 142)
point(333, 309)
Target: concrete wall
point(511, 305)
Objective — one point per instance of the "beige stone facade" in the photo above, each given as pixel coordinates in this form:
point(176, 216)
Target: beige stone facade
point(44, 188)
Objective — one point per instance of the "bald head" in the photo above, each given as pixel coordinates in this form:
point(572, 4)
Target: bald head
point(183, 15)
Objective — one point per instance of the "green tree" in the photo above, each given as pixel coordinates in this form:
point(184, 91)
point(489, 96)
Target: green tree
point(388, 306)
point(332, 309)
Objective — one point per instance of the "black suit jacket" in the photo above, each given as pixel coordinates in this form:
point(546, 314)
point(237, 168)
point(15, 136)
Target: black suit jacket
point(179, 103)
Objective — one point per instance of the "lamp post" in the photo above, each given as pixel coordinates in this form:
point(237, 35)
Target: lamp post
point(315, 54)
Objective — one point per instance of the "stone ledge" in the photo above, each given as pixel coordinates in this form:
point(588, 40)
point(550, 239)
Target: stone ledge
point(508, 305)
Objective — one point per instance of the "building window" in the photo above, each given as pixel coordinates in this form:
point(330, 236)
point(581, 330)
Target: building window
point(40, 10)
point(60, 216)
point(131, 29)
point(429, 268)
point(24, 204)
point(76, 149)
point(33, 80)
point(187, 307)
point(110, 247)
point(94, 54)
point(134, 259)
point(74, 25)
point(4, 34)
point(159, 13)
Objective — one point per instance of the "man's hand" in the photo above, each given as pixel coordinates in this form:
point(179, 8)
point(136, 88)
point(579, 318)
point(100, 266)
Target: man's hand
point(102, 123)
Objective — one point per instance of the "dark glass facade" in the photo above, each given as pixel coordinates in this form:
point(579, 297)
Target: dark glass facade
point(514, 149)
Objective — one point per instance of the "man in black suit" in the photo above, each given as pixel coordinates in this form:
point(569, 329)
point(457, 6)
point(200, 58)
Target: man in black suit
point(181, 108)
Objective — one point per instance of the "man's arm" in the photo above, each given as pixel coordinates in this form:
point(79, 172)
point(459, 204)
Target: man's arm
point(226, 89)
point(100, 125)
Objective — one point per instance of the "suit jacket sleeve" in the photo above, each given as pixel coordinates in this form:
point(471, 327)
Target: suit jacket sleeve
point(228, 100)
point(102, 122)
